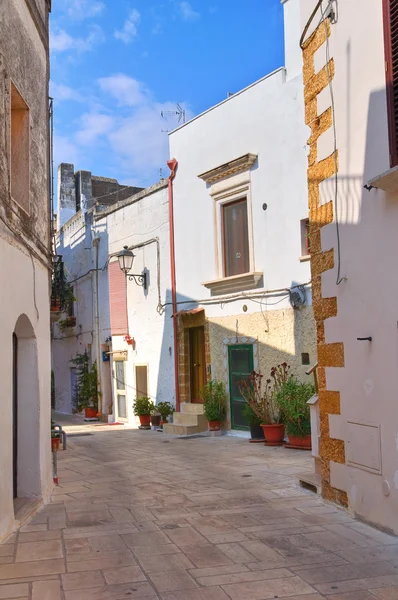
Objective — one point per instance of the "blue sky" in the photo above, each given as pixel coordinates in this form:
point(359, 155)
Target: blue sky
point(116, 64)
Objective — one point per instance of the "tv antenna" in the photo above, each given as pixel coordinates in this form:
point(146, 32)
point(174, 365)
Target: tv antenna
point(179, 113)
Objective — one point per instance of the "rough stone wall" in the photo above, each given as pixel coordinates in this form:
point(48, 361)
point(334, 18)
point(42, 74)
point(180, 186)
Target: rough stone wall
point(329, 355)
point(24, 61)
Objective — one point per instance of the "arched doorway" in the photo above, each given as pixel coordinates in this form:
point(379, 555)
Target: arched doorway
point(26, 411)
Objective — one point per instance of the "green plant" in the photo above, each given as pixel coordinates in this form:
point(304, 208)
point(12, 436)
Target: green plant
point(164, 409)
point(61, 289)
point(263, 403)
point(292, 400)
point(250, 416)
point(143, 406)
point(85, 394)
point(214, 397)
point(67, 323)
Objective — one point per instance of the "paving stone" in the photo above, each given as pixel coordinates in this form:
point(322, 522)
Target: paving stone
point(46, 590)
point(128, 591)
point(123, 575)
point(245, 576)
point(30, 551)
point(206, 556)
point(82, 580)
point(323, 574)
point(353, 596)
point(39, 536)
point(168, 581)
point(262, 590)
point(170, 562)
point(214, 593)
point(353, 585)
point(386, 593)
point(34, 568)
point(184, 536)
point(18, 590)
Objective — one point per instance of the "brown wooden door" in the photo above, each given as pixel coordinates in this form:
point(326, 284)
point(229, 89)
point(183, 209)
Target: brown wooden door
point(197, 362)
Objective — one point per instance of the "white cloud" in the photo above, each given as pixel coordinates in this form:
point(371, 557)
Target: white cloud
point(126, 90)
point(61, 92)
point(61, 41)
point(96, 125)
point(65, 150)
point(82, 9)
point(133, 137)
point(187, 11)
point(130, 28)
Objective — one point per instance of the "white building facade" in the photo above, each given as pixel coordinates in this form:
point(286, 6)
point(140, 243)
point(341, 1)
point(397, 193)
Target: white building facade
point(126, 327)
point(25, 265)
point(350, 76)
point(241, 235)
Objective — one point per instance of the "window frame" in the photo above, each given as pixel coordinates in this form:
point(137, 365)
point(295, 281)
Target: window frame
point(391, 112)
point(305, 229)
point(230, 195)
point(120, 391)
point(25, 108)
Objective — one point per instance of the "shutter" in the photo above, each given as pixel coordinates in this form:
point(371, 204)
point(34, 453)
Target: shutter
point(118, 299)
point(391, 53)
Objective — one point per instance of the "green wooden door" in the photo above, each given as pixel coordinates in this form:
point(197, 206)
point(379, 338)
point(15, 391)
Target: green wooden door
point(240, 367)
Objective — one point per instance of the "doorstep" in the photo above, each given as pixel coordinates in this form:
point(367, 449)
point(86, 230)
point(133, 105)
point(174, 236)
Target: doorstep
point(24, 509)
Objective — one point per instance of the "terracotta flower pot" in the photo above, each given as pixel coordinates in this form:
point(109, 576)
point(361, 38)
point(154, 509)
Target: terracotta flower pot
point(214, 425)
point(55, 305)
point(163, 422)
point(300, 442)
point(274, 434)
point(155, 420)
point(91, 413)
point(145, 420)
point(55, 444)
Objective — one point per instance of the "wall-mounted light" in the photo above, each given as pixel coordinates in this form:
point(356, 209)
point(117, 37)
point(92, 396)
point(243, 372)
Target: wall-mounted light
point(126, 259)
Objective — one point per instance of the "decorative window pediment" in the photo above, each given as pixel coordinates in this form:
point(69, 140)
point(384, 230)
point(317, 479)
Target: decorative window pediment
point(239, 165)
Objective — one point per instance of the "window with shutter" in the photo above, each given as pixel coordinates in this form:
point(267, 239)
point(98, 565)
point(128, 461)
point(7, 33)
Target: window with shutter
point(391, 53)
point(236, 238)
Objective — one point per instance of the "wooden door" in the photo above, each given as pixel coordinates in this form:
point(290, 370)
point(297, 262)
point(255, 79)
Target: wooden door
point(240, 367)
point(197, 362)
point(15, 414)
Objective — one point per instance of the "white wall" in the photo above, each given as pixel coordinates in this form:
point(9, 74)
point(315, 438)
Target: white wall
point(133, 223)
point(266, 119)
point(367, 299)
point(18, 299)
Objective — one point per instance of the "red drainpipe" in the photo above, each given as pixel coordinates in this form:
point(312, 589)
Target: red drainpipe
point(172, 164)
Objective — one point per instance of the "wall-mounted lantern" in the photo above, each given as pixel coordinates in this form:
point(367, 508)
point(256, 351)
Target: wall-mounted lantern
point(126, 259)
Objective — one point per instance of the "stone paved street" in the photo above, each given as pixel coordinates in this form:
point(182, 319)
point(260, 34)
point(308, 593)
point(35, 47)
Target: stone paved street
point(142, 515)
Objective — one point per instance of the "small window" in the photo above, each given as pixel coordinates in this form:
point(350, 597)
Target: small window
point(141, 381)
point(235, 238)
point(19, 149)
point(305, 237)
point(305, 358)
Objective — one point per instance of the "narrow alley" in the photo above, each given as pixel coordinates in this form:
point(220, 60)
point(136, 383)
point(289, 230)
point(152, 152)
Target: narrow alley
point(145, 515)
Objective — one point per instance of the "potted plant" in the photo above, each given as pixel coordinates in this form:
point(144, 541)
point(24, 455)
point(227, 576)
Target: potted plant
point(155, 417)
point(254, 422)
point(292, 400)
point(214, 398)
point(62, 295)
point(165, 409)
point(85, 394)
point(142, 408)
point(66, 324)
point(264, 403)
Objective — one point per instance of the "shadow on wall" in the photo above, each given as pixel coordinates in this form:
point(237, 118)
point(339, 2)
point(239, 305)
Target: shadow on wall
point(359, 291)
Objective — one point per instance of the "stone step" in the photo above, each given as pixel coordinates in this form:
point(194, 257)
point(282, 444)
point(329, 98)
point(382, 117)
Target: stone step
point(189, 419)
point(181, 429)
point(192, 409)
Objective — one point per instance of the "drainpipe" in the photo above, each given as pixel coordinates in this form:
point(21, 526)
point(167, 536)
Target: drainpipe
point(96, 242)
point(172, 164)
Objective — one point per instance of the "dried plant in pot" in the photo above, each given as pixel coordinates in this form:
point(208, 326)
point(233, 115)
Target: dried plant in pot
point(214, 397)
point(155, 417)
point(142, 408)
point(291, 400)
point(263, 402)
